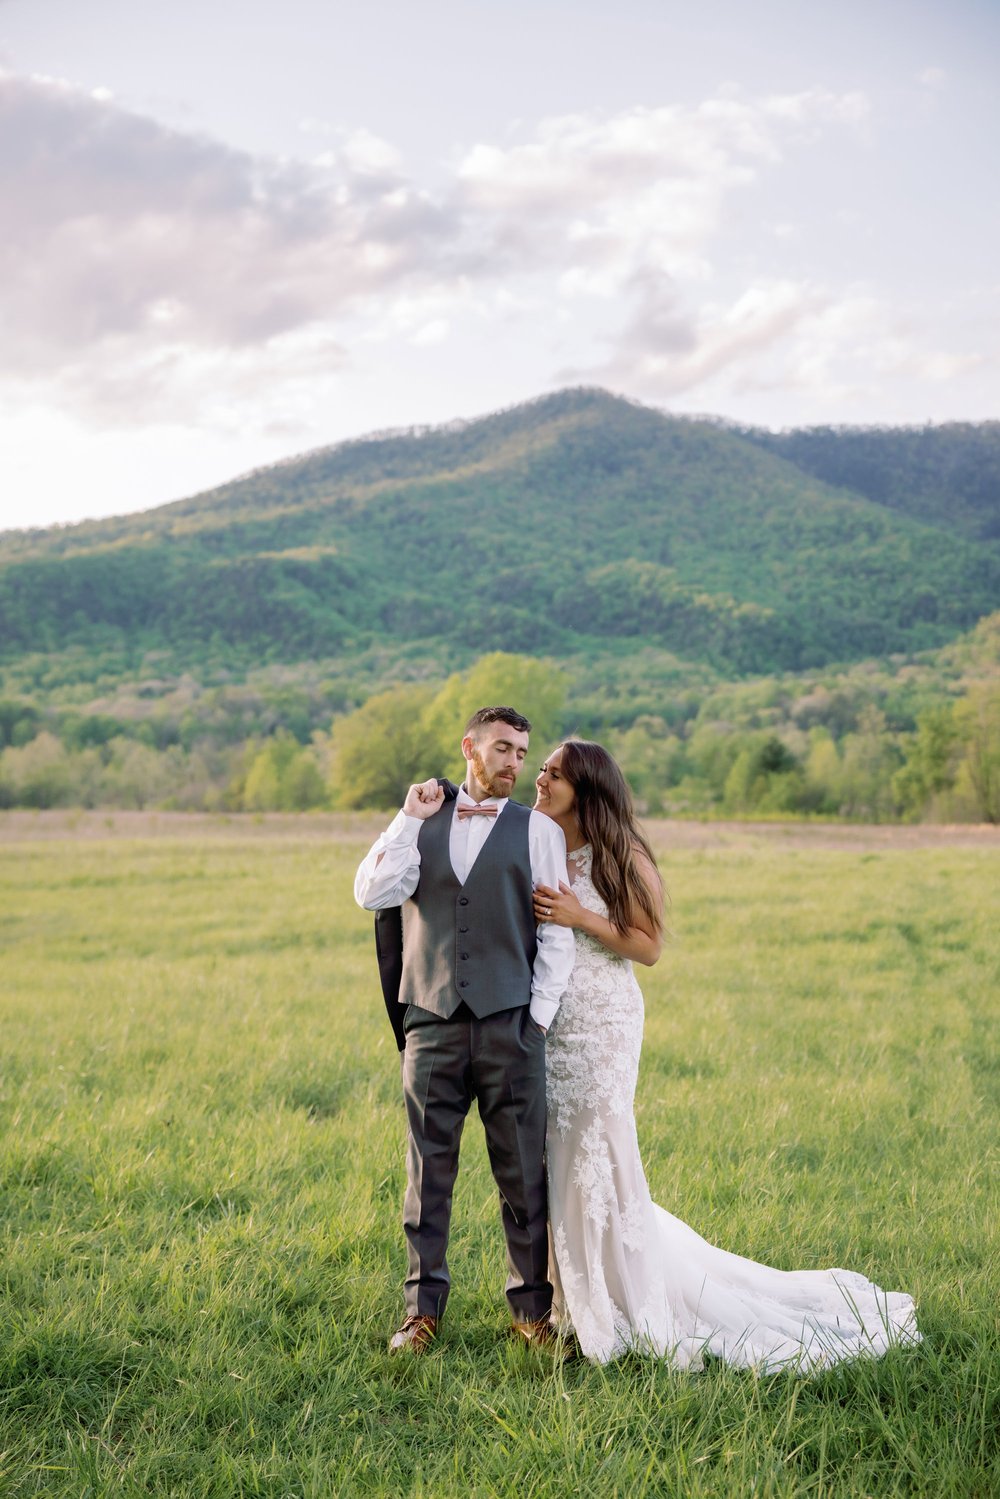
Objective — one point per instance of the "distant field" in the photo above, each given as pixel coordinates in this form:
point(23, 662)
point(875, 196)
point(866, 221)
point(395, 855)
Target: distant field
point(201, 1146)
point(667, 834)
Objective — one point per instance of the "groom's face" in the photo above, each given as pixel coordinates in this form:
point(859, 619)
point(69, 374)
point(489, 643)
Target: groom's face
point(495, 755)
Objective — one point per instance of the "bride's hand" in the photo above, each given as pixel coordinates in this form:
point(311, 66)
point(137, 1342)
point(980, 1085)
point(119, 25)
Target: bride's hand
point(557, 907)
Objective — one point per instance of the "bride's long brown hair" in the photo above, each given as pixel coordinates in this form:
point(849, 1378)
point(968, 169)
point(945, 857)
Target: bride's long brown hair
point(606, 816)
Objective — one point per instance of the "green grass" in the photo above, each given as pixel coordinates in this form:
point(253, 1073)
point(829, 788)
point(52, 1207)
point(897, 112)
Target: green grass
point(201, 1168)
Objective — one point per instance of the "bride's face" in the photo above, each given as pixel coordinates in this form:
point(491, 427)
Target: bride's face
point(555, 796)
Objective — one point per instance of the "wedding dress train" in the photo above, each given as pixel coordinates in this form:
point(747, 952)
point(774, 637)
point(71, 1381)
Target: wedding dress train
point(627, 1274)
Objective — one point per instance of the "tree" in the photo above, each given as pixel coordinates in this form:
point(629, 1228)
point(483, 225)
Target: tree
point(137, 776)
point(929, 766)
point(824, 773)
point(382, 748)
point(37, 774)
point(535, 688)
point(19, 722)
point(303, 786)
point(262, 787)
point(652, 759)
point(283, 777)
point(978, 723)
point(870, 758)
point(713, 749)
point(765, 776)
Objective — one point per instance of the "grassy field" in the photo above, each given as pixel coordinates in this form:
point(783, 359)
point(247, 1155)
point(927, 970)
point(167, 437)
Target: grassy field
point(201, 1167)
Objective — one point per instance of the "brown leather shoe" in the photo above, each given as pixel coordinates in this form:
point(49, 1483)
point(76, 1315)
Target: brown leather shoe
point(415, 1335)
point(544, 1334)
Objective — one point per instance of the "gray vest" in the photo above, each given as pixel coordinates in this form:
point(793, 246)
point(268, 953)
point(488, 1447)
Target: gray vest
point(474, 942)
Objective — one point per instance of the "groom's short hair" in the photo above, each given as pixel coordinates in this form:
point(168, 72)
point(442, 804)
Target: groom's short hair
point(484, 716)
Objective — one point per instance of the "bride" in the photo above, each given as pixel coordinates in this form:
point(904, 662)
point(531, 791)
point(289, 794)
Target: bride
point(627, 1274)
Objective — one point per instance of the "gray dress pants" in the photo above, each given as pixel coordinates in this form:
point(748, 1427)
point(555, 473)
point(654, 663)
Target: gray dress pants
point(500, 1062)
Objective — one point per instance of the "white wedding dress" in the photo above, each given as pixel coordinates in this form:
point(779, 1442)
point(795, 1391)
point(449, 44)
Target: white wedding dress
point(629, 1276)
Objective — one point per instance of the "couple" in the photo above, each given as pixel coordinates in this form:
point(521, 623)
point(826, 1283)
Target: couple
point(505, 945)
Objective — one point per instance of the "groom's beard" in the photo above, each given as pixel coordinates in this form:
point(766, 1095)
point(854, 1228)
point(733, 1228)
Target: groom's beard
point(492, 785)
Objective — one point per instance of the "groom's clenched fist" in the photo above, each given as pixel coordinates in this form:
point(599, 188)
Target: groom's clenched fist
point(424, 800)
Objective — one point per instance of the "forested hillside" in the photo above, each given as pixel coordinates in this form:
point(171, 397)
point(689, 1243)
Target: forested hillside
point(766, 623)
point(570, 523)
point(947, 476)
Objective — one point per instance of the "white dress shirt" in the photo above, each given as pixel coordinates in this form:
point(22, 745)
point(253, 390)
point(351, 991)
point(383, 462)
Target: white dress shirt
point(391, 879)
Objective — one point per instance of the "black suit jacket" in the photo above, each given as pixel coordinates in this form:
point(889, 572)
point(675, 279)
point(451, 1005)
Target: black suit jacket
point(389, 950)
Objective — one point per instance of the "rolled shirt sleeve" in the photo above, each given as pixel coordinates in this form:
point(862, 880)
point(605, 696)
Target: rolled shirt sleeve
point(556, 944)
point(390, 871)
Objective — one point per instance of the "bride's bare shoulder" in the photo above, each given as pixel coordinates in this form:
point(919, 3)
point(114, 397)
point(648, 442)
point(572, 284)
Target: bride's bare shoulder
point(647, 868)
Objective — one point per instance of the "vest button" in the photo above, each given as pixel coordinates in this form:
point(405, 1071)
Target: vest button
point(463, 983)
point(463, 929)
point(463, 956)
point(463, 900)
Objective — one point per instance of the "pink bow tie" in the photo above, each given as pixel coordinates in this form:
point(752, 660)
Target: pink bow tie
point(477, 811)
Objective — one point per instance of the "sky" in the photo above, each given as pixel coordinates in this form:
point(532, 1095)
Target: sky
point(236, 230)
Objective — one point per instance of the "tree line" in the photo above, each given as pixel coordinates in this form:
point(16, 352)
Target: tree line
point(864, 745)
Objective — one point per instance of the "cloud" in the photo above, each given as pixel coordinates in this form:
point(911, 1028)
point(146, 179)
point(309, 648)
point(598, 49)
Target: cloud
point(663, 351)
point(591, 191)
point(814, 107)
point(130, 233)
point(602, 196)
point(822, 343)
point(151, 273)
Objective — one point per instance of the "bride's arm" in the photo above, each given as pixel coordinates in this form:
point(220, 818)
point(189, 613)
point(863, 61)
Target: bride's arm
point(637, 942)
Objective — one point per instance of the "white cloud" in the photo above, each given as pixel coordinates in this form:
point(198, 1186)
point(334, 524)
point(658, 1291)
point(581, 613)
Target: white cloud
point(602, 196)
point(585, 172)
point(420, 316)
point(664, 351)
point(153, 273)
point(431, 333)
point(818, 106)
point(128, 234)
point(812, 342)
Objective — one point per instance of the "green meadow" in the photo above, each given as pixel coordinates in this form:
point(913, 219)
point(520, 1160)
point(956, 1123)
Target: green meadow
point(201, 1170)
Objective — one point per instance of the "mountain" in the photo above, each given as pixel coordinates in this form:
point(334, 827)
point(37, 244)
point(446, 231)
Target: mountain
point(947, 476)
point(577, 523)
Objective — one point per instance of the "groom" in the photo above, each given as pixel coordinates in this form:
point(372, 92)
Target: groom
point(481, 984)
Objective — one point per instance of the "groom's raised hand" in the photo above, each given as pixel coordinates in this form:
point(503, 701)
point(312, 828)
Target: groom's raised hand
point(424, 800)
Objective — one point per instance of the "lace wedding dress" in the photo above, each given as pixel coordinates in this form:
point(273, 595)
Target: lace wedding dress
point(626, 1273)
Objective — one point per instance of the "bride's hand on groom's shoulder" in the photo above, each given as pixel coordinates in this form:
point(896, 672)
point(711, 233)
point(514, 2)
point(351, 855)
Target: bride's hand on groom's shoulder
point(424, 800)
point(557, 907)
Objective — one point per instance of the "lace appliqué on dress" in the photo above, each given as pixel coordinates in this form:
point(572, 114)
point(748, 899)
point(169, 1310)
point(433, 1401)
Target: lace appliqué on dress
point(592, 1055)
